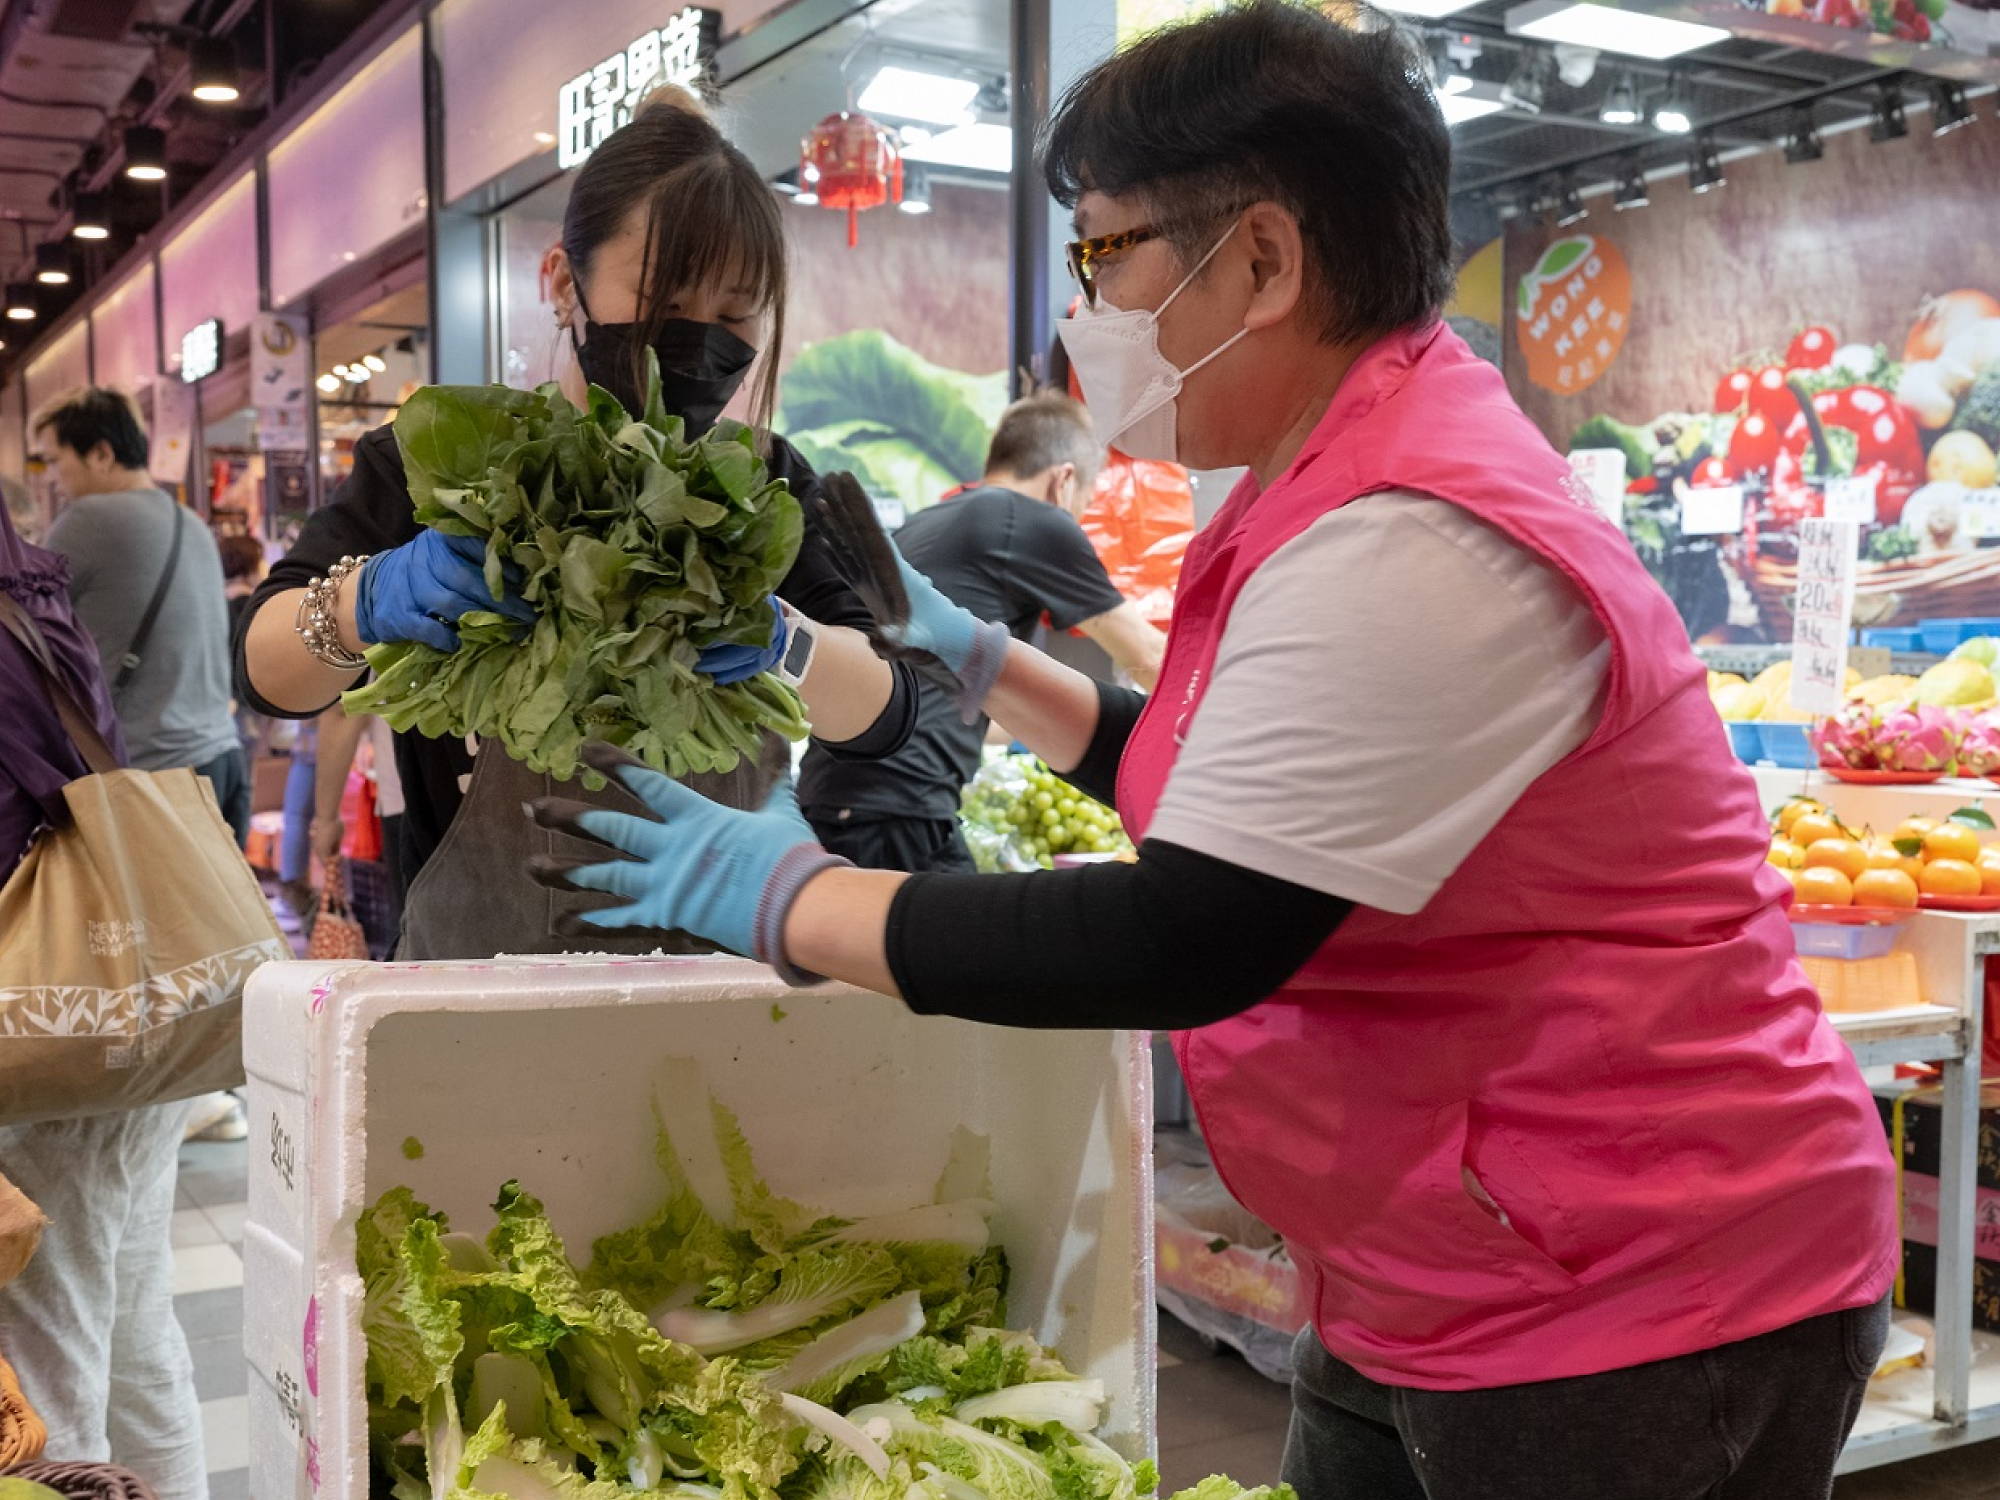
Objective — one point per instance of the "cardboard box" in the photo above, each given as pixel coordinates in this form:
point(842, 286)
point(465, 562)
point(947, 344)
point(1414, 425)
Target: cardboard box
point(543, 1071)
point(1915, 1119)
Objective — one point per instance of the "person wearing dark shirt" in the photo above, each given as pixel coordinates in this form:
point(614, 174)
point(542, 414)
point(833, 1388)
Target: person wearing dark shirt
point(636, 270)
point(1008, 549)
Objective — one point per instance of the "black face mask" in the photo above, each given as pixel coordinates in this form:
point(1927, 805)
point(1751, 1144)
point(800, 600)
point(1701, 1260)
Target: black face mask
point(702, 365)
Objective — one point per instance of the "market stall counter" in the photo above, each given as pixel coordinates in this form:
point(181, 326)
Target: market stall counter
point(450, 1080)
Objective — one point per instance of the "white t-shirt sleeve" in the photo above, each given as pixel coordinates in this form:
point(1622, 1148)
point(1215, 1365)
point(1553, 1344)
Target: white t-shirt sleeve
point(1388, 684)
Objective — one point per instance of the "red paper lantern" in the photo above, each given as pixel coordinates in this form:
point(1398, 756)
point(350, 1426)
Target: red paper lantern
point(851, 163)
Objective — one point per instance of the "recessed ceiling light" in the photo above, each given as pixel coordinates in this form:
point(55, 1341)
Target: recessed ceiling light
point(906, 94)
point(1609, 29)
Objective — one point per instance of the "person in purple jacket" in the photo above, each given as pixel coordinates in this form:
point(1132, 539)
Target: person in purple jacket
point(90, 1323)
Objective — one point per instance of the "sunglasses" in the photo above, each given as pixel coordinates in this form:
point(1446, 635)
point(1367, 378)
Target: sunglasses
point(1083, 256)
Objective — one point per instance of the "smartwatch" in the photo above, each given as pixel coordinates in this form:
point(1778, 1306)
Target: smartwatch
point(801, 642)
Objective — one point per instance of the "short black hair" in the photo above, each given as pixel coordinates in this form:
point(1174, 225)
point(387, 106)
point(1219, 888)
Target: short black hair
point(1274, 100)
point(1041, 431)
point(83, 418)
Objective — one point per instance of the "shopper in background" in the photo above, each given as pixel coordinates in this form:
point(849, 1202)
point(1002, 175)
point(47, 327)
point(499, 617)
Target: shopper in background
point(243, 569)
point(22, 509)
point(672, 242)
point(146, 578)
point(1446, 875)
point(89, 1324)
point(342, 736)
point(1009, 550)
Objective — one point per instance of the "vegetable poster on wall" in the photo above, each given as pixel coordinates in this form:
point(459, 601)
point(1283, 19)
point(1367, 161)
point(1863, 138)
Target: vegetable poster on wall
point(1795, 338)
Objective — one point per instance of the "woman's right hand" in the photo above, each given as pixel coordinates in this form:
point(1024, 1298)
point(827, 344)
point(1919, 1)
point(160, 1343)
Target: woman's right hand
point(936, 625)
point(418, 592)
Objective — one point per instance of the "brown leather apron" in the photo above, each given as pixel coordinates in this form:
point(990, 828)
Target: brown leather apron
point(475, 899)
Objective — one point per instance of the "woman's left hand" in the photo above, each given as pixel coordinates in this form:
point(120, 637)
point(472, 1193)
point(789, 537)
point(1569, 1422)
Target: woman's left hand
point(727, 664)
point(724, 875)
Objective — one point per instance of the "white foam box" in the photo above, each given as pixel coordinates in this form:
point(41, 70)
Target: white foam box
point(543, 1071)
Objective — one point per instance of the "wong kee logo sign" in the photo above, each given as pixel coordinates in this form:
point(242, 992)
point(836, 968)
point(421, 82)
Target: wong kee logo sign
point(1572, 313)
point(599, 100)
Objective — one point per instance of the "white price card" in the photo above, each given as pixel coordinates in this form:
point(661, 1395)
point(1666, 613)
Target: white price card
point(1711, 512)
point(1822, 614)
point(1979, 514)
point(1603, 469)
point(1851, 497)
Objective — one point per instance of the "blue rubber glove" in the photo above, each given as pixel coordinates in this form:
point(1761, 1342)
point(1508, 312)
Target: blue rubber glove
point(418, 591)
point(727, 664)
point(724, 875)
point(974, 649)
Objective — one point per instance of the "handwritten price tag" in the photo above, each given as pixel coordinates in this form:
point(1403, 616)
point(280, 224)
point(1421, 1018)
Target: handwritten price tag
point(1821, 614)
point(1712, 512)
point(1851, 498)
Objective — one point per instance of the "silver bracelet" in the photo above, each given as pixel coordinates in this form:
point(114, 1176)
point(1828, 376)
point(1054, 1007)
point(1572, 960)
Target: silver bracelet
point(317, 624)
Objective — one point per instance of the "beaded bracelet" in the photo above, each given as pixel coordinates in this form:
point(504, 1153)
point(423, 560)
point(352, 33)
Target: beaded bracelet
point(317, 624)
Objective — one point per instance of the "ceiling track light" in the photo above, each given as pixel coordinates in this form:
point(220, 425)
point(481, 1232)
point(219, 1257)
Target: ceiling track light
point(1528, 86)
point(1890, 123)
point(145, 153)
point(1704, 165)
point(1674, 114)
point(1630, 190)
point(916, 192)
point(212, 71)
point(1621, 101)
point(88, 218)
point(1446, 75)
point(1949, 109)
point(1569, 204)
point(1802, 142)
point(52, 267)
point(21, 302)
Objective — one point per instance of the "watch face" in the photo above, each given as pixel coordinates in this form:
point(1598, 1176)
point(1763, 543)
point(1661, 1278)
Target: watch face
point(798, 653)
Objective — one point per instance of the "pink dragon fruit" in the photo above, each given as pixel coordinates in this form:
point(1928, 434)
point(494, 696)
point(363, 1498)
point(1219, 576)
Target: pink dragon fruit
point(1979, 746)
point(1923, 738)
point(1848, 738)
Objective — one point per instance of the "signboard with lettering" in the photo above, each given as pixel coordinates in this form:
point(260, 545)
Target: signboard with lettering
point(201, 351)
point(1572, 312)
point(1823, 614)
point(280, 380)
point(600, 99)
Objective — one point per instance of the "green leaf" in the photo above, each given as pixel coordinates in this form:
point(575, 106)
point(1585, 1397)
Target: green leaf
point(1973, 817)
point(1909, 848)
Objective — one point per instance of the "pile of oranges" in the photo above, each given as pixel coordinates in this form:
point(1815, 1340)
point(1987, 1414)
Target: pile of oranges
point(1832, 865)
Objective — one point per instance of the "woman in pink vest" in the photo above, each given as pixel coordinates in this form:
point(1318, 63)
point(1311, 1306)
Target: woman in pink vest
point(1448, 882)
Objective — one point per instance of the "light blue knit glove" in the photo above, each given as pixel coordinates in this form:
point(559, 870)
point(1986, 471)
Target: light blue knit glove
point(724, 875)
point(974, 649)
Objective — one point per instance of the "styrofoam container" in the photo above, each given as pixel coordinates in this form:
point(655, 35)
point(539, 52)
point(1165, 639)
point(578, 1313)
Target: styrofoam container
point(543, 1070)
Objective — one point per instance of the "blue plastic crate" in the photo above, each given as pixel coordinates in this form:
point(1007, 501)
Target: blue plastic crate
point(1788, 745)
point(1899, 638)
point(1839, 940)
point(1942, 637)
point(1746, 739)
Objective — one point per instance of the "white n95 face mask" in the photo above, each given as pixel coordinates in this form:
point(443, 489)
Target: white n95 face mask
point(1128, 385)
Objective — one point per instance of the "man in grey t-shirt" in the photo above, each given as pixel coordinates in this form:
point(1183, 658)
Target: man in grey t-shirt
point(117, 530)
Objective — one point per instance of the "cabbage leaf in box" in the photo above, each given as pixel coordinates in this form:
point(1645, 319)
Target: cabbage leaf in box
point(734, 1346)
point(635, 545)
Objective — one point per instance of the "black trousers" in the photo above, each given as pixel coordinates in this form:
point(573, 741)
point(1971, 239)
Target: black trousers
point(920, 846)
point(229, 775)
point(1764, 1419)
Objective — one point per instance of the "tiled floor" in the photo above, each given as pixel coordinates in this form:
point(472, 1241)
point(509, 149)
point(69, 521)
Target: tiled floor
point(1217, 1415)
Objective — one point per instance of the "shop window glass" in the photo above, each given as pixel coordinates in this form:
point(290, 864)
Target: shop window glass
point(209, 269)
point(63, 365)
point(531, 346)
point(125, 336)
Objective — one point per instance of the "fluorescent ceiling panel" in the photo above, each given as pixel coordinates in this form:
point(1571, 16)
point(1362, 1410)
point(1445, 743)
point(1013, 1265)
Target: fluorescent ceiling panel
point(905, 94)
point(1628, 32)
point(976, 148)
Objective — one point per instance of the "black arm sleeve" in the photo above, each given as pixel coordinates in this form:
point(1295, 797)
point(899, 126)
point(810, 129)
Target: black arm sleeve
point(817, 589)
point(370, 513)
point(1096, 775)
point(1177, 940)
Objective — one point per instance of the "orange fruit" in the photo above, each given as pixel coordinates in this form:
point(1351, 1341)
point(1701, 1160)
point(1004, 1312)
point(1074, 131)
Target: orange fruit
point(1887, 888)
point(1952, 877)
point(1810, 829)
point(1795, 809)
point(1786, 855)
point(1821, 886)
point(1989, 877)
point(1883, 856)
point(1951, 841)
point(1843, 855)
point(1912, 828)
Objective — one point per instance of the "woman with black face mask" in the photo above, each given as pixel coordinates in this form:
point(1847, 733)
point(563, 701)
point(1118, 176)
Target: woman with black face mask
point(671, 242)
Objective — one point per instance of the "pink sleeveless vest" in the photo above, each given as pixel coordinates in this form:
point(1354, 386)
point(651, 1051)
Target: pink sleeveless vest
point(1583, 1111)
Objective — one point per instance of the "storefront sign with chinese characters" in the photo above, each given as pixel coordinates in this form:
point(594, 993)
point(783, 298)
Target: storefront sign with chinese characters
point(598, 101)
point(1572, 313)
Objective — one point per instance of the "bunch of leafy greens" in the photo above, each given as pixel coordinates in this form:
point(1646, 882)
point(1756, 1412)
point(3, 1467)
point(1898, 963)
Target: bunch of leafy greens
point(779, 1355)
point(635, 545)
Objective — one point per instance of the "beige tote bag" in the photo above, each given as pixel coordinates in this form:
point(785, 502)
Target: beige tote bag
point(126, 937)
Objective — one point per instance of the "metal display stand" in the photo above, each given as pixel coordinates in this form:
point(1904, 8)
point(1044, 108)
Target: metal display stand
point(1956, 1399)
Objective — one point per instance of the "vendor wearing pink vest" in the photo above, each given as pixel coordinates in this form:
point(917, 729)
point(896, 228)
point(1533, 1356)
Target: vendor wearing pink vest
point(1447, 880)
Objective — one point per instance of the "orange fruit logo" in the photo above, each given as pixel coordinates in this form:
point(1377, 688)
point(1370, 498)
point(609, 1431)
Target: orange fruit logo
point(1572, 313)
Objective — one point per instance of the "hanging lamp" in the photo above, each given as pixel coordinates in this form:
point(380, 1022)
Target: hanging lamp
point(851, 163)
